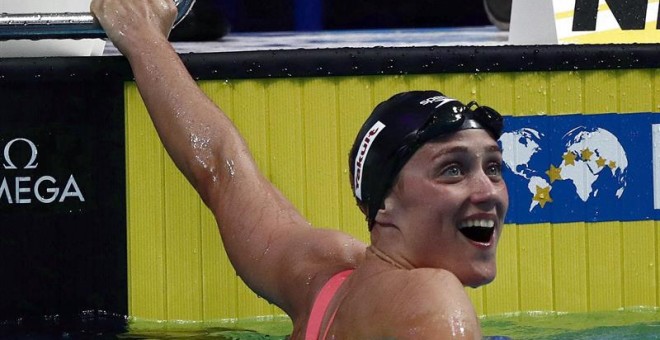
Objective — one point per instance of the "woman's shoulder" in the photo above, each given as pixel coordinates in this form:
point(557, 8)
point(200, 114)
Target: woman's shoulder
point(311, 258)
point(418, 303)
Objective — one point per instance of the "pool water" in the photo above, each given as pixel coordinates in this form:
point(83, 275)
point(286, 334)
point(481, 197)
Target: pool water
point(277, 327)
point(638, 323)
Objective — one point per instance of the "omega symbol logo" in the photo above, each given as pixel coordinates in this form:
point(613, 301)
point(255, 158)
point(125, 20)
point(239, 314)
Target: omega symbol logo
point(24, 189)
point(31, 164)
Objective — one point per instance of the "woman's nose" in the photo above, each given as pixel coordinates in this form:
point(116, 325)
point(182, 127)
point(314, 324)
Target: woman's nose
point(483, 189)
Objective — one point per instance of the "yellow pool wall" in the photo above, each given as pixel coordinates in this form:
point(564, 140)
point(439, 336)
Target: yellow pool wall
point(300, 131)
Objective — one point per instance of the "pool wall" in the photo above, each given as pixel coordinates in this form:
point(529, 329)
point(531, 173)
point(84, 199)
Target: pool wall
point(300, 130)
point(299, 111)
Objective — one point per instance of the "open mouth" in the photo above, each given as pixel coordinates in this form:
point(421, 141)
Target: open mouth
point(478, 230)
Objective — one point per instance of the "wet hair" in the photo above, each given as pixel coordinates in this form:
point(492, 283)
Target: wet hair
point(396, 129)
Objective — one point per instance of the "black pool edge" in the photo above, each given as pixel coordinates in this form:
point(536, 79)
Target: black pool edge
point(350, 62)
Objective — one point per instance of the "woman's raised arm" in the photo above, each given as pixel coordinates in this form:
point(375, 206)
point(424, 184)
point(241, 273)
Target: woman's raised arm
point(270, 244)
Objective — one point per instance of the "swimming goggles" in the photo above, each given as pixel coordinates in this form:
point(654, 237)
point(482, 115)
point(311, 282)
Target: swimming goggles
point(456, 117)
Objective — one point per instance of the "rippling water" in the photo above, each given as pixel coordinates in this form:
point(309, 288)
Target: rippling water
point(641, 323)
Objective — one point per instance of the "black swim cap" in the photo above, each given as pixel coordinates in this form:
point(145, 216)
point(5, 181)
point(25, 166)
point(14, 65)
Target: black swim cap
point(396, 129)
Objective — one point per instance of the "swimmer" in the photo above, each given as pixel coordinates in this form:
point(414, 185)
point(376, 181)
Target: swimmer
point(425, 169)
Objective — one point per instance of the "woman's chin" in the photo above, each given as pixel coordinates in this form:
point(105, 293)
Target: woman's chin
point(479, 278)
point(477, 284)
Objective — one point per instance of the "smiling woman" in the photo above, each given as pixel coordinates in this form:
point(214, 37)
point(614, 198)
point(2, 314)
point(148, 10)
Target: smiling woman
point(299, 111)
point(451, 185)
point(424, 167)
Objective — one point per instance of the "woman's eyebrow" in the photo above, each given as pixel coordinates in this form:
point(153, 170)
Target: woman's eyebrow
point(456, 149)
point(494, 148)
point(465, 149)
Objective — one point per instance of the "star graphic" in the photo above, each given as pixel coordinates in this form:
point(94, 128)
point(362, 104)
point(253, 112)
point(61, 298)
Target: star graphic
point(569, 158)
point(586, 154)
point(601, 162)
point(554, 173)
point(612, 164)
point(542, 195)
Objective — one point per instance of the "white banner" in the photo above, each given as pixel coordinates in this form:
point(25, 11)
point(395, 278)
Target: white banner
point(584, 21)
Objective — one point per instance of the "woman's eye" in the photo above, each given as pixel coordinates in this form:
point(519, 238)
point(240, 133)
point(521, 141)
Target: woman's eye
point(494, 169)
point(452, 171)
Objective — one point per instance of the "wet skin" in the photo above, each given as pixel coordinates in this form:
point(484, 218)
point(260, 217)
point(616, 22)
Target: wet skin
point(273, 247)
point(446, 183)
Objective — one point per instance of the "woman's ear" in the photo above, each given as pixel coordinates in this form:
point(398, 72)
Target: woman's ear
point(385, 215)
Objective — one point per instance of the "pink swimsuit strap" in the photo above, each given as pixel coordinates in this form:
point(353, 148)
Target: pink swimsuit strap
point(321, 303)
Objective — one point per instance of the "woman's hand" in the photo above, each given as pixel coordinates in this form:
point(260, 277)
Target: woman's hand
point(129, 24)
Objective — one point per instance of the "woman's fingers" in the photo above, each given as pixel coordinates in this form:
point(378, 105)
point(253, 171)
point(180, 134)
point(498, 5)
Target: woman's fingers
point(127, 22)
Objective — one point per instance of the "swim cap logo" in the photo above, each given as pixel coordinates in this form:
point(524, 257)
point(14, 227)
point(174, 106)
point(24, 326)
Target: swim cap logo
point(437, 99)
point(23, 189)
point(361, 156)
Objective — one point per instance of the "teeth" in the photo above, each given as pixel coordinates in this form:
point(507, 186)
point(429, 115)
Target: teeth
point(477, 223)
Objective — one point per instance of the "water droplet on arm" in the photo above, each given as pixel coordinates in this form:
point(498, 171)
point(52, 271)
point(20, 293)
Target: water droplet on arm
point(230, 167)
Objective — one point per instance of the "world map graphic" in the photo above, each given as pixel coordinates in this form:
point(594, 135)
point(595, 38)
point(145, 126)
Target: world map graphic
point(589, 163)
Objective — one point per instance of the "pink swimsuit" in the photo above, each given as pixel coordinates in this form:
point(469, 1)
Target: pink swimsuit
point(321, 305)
